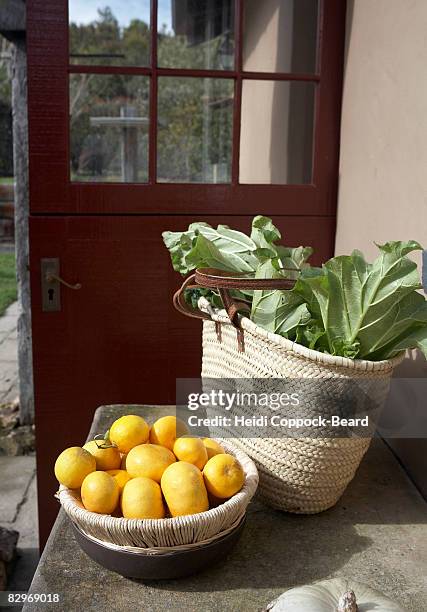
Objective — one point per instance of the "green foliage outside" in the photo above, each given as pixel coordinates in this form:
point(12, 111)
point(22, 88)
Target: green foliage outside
point(8, 293)
point(194, 114)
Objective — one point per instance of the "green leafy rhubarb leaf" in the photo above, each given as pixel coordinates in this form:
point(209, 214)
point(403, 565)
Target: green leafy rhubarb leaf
point(206, 253)
point(312, 335)
point(204, 246)
point(365, 307)
point(407, 328)
point(293, 258)
point(312, 286)
point(387, 298)
point(264, 232)
point(275, 310)
point(229, 240)
point(415, 339)
point(180, 244)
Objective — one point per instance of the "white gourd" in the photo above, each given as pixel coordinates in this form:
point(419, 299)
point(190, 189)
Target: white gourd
point(335, 595)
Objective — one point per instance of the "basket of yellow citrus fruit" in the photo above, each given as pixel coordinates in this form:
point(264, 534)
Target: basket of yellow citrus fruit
point(153, 492)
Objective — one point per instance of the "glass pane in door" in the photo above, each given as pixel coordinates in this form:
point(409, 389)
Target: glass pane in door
point(276, 136)
point(194, 134)
point(280, 35)
point(109, 128)
point(196, 34)
point(111, 33)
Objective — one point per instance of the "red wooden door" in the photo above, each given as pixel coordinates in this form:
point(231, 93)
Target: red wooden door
point(118, 339)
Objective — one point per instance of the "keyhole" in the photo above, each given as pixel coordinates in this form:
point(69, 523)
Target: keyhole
point(50, 294)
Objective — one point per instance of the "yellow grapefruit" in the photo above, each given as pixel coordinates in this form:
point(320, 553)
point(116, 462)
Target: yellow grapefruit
point(223, 476)
point(129, 431)
point(120, 476)
point(73, 465)
point(100, 493)
point(184, 490)
point(192, 450)
point(107, 457)
point(142, 499)
point(166, 430)
point(149, 460)
point(212, 447)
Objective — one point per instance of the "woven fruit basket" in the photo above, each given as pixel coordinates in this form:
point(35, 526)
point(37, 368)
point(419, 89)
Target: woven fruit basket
point(166, 535)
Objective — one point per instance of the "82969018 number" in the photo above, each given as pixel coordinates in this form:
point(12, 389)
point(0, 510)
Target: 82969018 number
point(19, 597)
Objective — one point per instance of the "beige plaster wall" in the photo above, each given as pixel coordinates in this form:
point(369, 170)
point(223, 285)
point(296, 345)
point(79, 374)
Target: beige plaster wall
point(383, 169)
point(383, 166)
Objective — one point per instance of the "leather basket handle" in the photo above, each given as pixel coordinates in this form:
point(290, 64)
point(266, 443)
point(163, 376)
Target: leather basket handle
point(219, 279)
point(212, 278)
point(182, 306)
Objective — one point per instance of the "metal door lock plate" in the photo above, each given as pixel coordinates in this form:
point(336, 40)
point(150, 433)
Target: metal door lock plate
point(51, 292)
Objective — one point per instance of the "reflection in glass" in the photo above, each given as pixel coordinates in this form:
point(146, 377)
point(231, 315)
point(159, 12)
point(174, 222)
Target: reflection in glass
point(111, 33)
point(280, 35)
point(196, 34)
point(276, 137)
point(109, 128)
point(194, 130)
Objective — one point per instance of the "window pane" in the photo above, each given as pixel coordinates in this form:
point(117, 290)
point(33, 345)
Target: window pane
point(109, 128)
point(276, 137)
point(194, 130)
point(113, 33)
point(280, 35)
point(196, 34)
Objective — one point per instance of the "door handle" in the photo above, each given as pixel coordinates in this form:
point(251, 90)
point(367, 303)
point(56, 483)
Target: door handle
point(51, 282)
point(51, 278)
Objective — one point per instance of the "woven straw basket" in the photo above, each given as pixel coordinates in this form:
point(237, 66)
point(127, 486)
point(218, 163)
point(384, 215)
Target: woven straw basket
point(157, 536)
point(301, 475)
